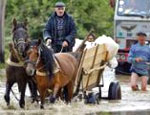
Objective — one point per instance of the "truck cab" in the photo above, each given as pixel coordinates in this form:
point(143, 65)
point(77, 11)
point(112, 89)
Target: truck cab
point(131, 17)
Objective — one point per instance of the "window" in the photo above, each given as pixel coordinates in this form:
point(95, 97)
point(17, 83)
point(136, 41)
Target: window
point(134, 8)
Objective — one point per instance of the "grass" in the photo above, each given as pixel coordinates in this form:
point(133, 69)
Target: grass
point(2, 65)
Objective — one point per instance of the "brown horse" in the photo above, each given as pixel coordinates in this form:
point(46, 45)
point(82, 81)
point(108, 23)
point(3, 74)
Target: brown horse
point(15, 71)
point(52, 71)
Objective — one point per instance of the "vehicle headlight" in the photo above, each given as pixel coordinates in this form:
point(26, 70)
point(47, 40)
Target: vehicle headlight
point(122, 57)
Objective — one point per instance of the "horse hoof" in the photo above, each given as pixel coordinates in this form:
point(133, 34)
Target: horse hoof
point(22, 104)
point(33, 100)
point(52, 99)
point(42, 107)
point(37, 101)
point(7, 99)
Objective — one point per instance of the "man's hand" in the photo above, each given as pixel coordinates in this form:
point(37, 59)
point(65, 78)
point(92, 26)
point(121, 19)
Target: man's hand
point(65, 44)
point(138, 59)
point(48, 42)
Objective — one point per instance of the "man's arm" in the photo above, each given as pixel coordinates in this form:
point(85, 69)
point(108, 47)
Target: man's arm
point(46, 32)
point(71, 37)
point(131, 58)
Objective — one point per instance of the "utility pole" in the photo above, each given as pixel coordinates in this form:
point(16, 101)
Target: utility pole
point(2, 19)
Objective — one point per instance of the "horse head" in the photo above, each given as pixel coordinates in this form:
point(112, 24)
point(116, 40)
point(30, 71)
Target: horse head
point(39, 58)
point(20, 36)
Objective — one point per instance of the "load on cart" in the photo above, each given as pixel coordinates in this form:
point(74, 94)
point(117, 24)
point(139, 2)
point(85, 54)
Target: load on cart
point(90, 71)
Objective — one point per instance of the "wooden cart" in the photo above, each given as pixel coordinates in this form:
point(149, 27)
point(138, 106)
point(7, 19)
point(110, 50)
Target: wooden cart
point(90, 73)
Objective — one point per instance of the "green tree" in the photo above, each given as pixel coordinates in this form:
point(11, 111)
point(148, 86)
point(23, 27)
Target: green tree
point(88, 14)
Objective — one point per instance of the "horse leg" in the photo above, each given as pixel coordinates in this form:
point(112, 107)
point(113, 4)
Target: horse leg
point(55, 91)
point(60, 95)
point(65, 93)
point(42, 92)
point(7, 93)
point(69, 92)
point(33, 90)
point(22, 88)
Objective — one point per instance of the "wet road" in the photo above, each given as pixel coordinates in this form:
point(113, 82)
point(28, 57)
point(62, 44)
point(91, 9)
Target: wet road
point(132, 103)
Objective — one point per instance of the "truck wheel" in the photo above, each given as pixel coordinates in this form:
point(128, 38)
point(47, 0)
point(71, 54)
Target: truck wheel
point(114, 91)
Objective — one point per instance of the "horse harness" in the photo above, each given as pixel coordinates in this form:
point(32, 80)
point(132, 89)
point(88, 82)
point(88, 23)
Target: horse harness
point(19, 58)
point(56, 69)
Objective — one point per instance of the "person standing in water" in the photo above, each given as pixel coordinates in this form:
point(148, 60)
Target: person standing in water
point(139, 55)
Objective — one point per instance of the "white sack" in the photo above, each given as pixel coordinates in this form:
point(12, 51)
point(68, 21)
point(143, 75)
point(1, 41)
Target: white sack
point(111, 45)
point(77, 44)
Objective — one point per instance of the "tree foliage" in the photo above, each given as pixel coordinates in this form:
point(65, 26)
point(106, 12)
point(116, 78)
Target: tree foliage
point(88, 14)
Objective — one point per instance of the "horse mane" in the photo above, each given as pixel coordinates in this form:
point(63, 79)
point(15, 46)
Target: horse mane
point(47, 58)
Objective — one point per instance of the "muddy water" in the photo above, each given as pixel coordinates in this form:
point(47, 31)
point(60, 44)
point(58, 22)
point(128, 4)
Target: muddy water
point(132, 103)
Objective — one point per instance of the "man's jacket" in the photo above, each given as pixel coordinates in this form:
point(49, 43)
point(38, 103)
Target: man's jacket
point(69, 31)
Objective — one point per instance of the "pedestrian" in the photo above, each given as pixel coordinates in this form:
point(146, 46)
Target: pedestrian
point(139, 56)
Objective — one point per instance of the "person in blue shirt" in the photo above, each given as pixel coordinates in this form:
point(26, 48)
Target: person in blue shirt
point(139, 56)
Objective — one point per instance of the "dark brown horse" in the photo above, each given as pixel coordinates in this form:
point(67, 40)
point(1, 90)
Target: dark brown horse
point(52, 71)
point(15, 71)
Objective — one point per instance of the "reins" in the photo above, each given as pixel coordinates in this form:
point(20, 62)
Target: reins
point(14, 95)
point(61, 49)
point(15, 53)
point(20, 41)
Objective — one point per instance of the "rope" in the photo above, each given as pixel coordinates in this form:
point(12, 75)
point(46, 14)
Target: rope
point(86, 72)
point(14, 95)
point(61, 49)
point(15, 53)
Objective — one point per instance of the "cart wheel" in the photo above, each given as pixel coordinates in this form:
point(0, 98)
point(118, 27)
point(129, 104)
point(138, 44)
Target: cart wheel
point(91, 98)
point(114, 91)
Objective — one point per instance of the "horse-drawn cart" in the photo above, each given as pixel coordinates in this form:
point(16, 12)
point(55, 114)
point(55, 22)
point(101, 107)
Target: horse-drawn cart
point(90, 74)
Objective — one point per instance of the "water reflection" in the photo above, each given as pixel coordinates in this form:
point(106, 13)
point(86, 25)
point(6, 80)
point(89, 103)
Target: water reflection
point(100, 113)
point(125, 113)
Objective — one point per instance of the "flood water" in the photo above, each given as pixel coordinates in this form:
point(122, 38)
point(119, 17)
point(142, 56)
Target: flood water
point(132, 103)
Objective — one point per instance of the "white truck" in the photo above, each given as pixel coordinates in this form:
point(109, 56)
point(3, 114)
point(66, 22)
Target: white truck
point(131, 17)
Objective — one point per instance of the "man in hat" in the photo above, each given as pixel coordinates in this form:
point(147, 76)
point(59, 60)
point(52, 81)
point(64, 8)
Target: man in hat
point(139, 56)
point(60, 30)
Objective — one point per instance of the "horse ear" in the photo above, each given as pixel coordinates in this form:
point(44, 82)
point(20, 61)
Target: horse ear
point(14, 22)
point(25, 22)
point(28, 41)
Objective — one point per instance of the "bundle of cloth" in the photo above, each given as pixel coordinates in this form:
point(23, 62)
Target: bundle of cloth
point(111, 45)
